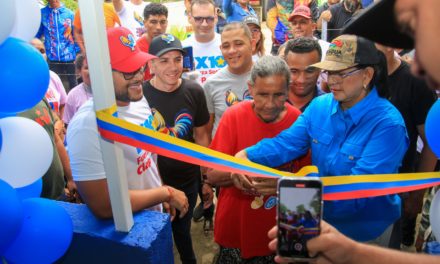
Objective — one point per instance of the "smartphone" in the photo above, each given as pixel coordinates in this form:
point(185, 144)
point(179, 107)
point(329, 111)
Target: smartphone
point(188, 59)
point(299, 211)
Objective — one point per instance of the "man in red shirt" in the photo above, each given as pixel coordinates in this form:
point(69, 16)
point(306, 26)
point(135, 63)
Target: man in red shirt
point(243, 219)
point(155, 24)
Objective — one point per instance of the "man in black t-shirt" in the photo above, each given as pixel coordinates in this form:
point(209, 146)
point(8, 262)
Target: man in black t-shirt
point(412, 97)
point(179, 109)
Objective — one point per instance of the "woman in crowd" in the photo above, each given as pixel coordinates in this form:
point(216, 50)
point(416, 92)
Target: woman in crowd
point(353, 130)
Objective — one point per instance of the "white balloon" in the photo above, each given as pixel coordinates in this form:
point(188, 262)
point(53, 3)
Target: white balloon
point(7, 18)
point(28, 19)
point(434, 215)
point(26, 151)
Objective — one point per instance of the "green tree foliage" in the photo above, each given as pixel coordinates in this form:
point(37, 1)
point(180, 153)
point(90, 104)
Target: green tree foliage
point(315, 204)
point(71, 4)
point(300, 209)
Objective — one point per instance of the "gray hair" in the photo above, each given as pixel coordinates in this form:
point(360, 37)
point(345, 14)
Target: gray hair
point(268, 66)
point(238, 25)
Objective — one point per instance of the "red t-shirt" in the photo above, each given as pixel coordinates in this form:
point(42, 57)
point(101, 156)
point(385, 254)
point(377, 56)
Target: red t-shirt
point(242, 221)
point(144, 46)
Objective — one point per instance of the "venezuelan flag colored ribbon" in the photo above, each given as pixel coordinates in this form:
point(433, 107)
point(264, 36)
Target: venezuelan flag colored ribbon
point(362, 186)
point(113, 128)
point(335, 187)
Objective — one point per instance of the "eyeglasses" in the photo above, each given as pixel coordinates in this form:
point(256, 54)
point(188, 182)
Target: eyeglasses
point(208, 19)
point(130, 75)
point(255, 30)
point(338, 76)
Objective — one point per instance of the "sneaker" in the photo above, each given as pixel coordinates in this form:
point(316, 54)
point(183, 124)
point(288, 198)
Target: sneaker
point(198, 213)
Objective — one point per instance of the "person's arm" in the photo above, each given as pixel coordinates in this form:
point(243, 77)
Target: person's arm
point(219, 178)
point(288, 145)
point(333, 247)
point(95, 194)
point(118, 4)
point(326, 15)
point(210, 126)
point(116, 19)
point(71, 186)
point(272, 15)
point(79, 39)
point(77, 32)
point(89, 174)
point(201, 135)
point(227, 8)
point(202, 138)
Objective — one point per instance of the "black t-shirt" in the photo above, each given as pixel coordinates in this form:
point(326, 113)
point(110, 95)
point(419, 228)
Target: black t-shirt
point(176, 113)
point(412, 97)
point(339, 17)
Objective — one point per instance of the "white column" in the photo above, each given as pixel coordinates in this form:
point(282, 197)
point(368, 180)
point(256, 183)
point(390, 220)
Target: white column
point(98, 58)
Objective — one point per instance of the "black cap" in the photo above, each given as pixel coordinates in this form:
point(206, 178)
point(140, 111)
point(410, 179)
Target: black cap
point(378, 23)
point(164, 43)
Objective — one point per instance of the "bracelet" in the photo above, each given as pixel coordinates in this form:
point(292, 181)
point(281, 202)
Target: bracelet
point(170, 192)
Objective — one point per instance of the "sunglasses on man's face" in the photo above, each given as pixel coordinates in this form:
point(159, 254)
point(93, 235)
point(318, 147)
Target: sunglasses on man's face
point(208, 19)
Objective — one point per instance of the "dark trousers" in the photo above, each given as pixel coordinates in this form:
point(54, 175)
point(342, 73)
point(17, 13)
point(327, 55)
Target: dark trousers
point(66, 72)
point(182, 228)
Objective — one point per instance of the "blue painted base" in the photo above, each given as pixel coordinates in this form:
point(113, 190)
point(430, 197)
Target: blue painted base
point(97, 241)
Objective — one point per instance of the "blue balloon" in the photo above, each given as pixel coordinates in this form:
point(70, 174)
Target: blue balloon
point(11, 215)
point(432, 128)
point(32, 190)
point(24, 77)
point(45, 235)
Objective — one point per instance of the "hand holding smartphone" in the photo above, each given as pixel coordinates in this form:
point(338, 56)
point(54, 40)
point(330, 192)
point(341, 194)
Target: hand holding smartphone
point(299, 211)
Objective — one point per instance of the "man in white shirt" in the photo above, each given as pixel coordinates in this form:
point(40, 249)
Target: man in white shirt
point(144, 183)
point(205, 41)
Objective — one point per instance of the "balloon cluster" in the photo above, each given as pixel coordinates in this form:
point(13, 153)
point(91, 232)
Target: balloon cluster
point(432, 131)
point(32, 229)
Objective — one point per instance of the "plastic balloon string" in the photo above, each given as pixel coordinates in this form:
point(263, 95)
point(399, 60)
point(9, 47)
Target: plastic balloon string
point(335, 187)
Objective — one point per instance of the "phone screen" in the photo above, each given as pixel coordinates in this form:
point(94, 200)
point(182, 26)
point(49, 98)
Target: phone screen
point(188, 59)
point(299, 216)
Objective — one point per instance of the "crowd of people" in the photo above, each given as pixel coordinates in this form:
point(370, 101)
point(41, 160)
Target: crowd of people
point(349, 106)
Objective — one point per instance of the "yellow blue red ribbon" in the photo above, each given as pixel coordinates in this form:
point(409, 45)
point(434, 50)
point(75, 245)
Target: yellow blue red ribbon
point(335, 187)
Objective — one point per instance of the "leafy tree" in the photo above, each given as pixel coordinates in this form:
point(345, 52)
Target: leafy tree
point(71, 4)
point(300, 209)
point(315, 204)
point(283, 208)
